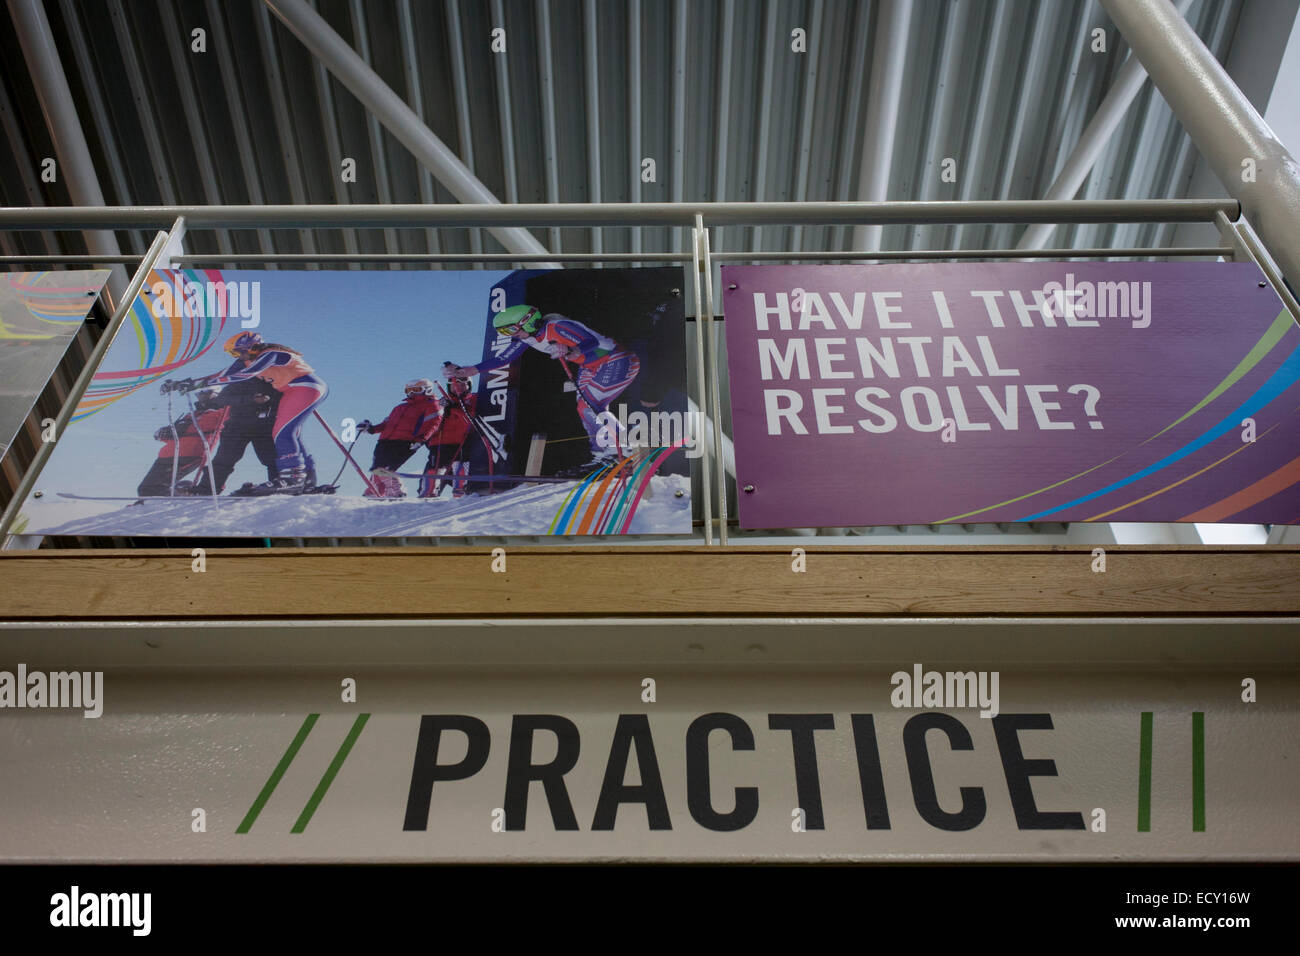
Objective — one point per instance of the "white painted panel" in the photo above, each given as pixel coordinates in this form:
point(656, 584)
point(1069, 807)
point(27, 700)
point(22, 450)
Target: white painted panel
point(123, 787)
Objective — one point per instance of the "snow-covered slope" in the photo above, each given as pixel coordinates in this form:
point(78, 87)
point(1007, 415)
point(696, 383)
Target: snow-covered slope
point(526, 510)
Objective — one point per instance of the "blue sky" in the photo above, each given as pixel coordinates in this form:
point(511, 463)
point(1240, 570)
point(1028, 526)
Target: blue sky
point(366, 333)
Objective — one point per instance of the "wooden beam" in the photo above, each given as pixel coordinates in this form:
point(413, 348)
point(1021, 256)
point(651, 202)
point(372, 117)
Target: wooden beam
point(397, 583)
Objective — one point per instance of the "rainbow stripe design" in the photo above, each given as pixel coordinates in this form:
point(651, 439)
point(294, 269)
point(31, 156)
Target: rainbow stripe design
point(60, 305)
point(605, 502)
point(1279, 389)
point(169, 331)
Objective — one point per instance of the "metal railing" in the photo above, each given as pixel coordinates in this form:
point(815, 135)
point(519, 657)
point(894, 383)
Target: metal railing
point(695, 220)
point(414, 215)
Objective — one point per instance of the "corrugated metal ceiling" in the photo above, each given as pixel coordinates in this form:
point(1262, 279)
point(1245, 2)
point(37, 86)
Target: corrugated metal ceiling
point(710, 90)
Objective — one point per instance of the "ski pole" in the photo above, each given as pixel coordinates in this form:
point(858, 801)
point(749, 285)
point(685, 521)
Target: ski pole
point(571, 386)
point(346, 453)
point(456, 460)
point(490, 458)
point(491, 448)
point(479, 426)
point(485, 431)
point(207, 449)
point(430, 482)
point(493, 440)
point(345, 461)
point(495, 437)
point(176, 444)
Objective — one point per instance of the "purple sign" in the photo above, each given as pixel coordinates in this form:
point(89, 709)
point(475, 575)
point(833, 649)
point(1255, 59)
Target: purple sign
point(1000, 392)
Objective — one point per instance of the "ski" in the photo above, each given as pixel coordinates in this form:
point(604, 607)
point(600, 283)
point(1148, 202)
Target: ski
point(139, 498)
point(501, 478)
point(250, 490)
point(319, 490)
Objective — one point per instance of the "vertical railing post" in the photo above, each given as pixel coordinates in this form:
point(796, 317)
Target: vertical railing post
point(1249, 249)
point(702, 402)
point(714, 349)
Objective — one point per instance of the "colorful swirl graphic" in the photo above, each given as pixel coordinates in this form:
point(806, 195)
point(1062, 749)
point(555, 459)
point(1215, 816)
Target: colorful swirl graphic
point(606, 500)
point(62, 305)
point(1278, 387)
point(170, 330)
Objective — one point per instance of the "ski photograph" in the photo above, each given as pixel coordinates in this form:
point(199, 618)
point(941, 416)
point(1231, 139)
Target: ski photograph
point(354, 404)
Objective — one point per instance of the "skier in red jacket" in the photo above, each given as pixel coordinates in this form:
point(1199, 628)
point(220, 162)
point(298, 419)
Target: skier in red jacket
point(184, 448)
point(447, 444)
point(401, 434)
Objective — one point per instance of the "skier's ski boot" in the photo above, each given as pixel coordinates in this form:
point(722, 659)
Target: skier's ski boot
point(385, 484)
point(596, 462)
point(294, 483)
point(201, 488)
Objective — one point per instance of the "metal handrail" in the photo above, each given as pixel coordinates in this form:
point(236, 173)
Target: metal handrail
point(365, 257)
point(73, 259)
point(896, 254)
point(617, 214)
point(881, 255)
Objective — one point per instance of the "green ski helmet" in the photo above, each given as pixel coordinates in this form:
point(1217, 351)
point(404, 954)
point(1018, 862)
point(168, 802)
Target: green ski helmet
point(517, 317)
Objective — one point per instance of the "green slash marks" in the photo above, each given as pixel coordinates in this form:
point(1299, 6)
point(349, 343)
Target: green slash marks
point(273, 780)
point(1198, 772)
point(1144, 775)
point(330, 773)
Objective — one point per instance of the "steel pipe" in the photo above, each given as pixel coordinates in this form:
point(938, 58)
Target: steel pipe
point(389, 108)
point(895, 254)
point(464, 116)
point(45, 71)
point(1253, 164)
point(888, 63)
point(1093, 140)
point(617, 214)
point(591, 106)
point(891, 255)
point(73, 259)
point(541, 257)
